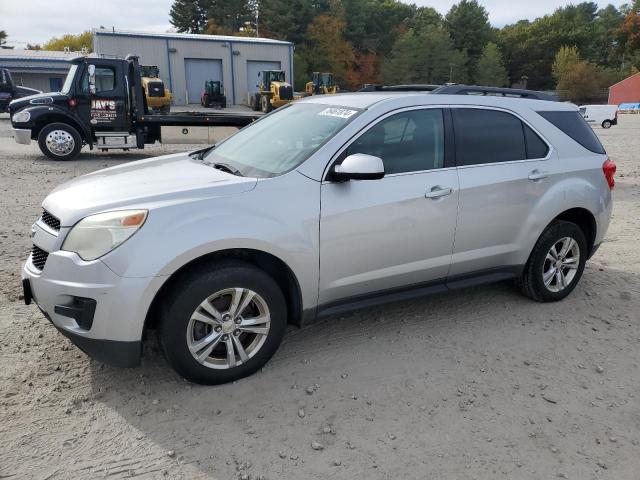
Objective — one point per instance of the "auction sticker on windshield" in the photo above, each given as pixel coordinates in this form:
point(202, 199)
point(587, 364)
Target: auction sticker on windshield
point(337, 112)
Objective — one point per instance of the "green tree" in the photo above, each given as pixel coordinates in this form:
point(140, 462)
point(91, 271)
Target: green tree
point(490, 69)
point(189, 16)
point(75, 43)
point(468, 24)
point(3, 37)
point(566, 58)
point(426, 57)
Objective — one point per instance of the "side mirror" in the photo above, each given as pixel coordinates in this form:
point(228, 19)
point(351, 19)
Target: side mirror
point(91, 69)
point(359, 166)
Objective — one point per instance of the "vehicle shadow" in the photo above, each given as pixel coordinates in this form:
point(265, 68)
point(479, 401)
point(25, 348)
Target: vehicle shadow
point(381, 353)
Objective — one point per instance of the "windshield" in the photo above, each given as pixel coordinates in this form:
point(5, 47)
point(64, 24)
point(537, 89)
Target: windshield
point(281, 141)
point(68, 82)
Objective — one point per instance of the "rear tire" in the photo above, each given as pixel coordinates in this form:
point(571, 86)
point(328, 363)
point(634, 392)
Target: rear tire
point(188, 322)
point(205, 101)
point(607, 124)
point(556, 263)
point(59, 141)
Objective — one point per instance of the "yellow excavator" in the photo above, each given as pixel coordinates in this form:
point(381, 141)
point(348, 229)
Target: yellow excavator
point(273, 91)
point(321, 84)
point(157, 96)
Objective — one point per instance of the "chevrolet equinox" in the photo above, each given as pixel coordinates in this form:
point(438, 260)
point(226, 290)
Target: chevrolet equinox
point(328, 204)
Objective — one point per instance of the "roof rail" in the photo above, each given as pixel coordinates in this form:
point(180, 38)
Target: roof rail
point(493, 91)
point(372, 87)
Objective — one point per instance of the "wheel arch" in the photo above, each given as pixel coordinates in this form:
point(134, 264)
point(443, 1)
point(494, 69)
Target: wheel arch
point(585, 220)
point(269, 263)
point(54, 117)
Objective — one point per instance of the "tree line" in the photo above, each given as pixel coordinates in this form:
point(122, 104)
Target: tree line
point(577, 48)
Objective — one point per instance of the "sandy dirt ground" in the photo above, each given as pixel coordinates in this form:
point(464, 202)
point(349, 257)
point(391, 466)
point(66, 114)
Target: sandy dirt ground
point(477, 384)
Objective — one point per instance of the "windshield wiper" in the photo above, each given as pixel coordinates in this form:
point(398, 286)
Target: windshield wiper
point(225, 167)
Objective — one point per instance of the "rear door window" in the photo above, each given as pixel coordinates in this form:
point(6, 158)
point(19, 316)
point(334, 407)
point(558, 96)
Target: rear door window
point(573, 125)
point(487, 136)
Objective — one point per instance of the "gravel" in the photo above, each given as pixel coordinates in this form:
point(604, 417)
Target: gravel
point(443, 374)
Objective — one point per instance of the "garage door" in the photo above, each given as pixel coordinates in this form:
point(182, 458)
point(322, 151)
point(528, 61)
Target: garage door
point(197, 71)
point(253, 68)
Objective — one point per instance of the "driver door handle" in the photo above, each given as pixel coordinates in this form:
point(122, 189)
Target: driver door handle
point(438, 191)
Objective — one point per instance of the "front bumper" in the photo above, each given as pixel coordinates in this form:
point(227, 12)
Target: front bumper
point(99, 311)
point(22, 135)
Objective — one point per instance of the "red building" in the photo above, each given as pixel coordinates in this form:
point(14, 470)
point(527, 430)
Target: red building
point(626, 91)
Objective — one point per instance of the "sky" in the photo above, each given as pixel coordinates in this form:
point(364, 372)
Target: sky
point(36, 21)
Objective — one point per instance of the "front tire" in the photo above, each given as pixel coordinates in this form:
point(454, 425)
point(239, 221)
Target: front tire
point(224, 322)
point(556, 263)
point(266, 105)
point(59, 141)
point(607, 124)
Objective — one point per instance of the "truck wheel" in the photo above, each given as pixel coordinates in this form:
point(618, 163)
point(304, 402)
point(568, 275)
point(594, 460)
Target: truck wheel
point(606, 124)
point(224, 103)
point(556, 263)
point(224, 322)
point(165, 109)
point(59, 141)
point(256, 103)
point(266, 105)
point(205, 101)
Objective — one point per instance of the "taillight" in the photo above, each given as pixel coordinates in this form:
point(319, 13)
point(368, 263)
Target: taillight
point(609, 170)
point(72, 102)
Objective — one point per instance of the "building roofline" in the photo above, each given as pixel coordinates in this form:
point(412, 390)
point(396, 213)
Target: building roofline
point(625, 79)
point(190, 37)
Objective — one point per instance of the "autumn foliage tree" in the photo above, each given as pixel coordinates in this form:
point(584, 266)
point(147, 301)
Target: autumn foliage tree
point(580, 82)
point(329, 50)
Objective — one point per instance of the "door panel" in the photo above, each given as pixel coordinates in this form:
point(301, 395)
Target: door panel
point(495, 203)
point(199, 70)
point(499, 188)
point(382, 234)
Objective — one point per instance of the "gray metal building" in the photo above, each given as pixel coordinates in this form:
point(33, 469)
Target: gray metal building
point(39, 69)
point(186, 61)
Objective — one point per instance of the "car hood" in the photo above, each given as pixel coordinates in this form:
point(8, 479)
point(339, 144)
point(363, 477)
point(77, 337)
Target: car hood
point(22, 101)
point(148, 183)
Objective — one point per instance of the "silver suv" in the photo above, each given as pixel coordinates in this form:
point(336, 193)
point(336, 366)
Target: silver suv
point(328, 204)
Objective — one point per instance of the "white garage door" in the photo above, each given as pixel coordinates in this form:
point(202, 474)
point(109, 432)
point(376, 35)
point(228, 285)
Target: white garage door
point(253, 68)
point(197, 71)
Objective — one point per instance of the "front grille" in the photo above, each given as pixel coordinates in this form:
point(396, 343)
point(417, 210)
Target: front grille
point(38, 257)
point(50, 221)
point(286, 92)
point(156, 89)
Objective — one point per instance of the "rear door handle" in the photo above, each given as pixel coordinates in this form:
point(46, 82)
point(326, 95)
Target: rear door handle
point(538, 175)
point(438, 191)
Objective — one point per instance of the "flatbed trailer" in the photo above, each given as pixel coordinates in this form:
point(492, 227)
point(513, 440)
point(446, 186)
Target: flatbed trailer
point(102, 105)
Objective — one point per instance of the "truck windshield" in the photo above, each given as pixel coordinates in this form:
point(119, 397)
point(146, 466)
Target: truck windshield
point(68, 82)
point(281, 141)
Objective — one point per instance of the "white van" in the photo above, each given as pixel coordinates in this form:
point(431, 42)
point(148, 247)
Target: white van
point(603, 115)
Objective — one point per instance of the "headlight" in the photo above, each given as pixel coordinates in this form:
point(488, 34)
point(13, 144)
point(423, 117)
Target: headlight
point(96, 235)
point(21, 117)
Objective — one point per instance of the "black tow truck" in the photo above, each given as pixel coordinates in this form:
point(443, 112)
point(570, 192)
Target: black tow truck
point(102, 104)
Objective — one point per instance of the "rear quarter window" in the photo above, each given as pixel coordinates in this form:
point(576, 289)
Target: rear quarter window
point(574, 125)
